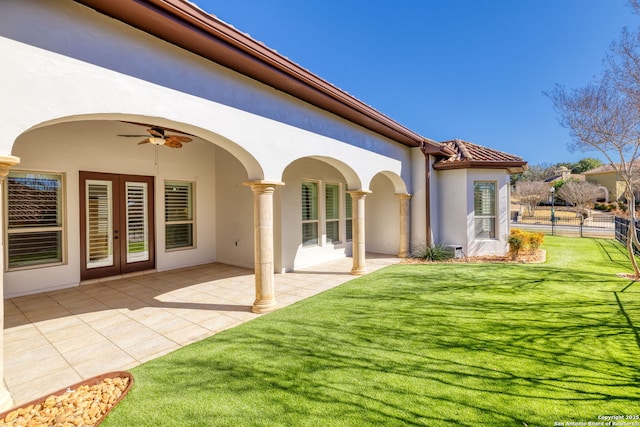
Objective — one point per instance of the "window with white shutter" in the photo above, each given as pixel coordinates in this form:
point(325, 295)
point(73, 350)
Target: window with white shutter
point(35, 233)
point(179, 214)
point(348, 216)
point(309, 213)
point(332, 212)
point(484, 205)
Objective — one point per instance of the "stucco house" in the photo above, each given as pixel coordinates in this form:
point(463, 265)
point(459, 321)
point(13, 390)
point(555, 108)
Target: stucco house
point(150, 135)
point(609, 181)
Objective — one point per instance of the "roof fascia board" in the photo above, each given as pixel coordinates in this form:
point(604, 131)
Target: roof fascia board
point(512, 167)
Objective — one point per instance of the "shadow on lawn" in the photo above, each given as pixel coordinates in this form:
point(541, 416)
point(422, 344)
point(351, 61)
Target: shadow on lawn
point(474, 345)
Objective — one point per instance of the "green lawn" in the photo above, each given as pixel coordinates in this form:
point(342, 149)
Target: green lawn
point(434, 345)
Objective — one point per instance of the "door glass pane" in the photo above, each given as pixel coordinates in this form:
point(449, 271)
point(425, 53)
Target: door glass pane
point(137, 237)
point(99, 224)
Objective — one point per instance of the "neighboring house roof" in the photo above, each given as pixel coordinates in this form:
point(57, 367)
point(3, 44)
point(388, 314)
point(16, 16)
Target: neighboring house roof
point(472, 156)
point(600, 169)
point(608, 168)
point(183, 24)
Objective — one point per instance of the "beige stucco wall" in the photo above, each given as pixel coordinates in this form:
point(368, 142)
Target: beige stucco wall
point(609, 181)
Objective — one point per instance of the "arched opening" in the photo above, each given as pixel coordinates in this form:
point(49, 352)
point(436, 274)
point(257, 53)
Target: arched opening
point(314, 212)
point(120, 200)
point(383, 218)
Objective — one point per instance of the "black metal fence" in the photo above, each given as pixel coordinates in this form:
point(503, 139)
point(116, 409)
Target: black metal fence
point(603, 226)
point(622, 227)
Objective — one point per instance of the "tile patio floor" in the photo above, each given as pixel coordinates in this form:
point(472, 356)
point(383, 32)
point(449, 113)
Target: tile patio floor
point(55, 339)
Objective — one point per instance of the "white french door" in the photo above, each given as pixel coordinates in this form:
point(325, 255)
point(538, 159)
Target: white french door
point(116, 224)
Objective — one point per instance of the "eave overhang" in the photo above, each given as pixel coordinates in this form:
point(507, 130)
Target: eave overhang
point(511, 167)
point(185, 25)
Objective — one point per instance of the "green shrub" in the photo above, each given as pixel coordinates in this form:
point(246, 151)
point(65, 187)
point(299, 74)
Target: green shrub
point(534, 240)
point(524, 240)
point(516, 242)
point(437, 252)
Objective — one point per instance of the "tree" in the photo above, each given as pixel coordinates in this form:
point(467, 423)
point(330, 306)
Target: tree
point(531, 194)
point(585, 165)
point(579, 194)
point(604, 116)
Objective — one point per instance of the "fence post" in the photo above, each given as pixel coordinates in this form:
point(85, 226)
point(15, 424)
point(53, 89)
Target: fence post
point(581, 224)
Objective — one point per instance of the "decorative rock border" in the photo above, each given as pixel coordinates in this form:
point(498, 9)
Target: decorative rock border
point(83, 404)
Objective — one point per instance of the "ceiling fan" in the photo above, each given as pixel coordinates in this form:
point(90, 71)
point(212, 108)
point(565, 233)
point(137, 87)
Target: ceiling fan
point(157, 136)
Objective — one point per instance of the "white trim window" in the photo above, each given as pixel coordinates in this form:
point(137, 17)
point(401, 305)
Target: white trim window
point(484, 206)
point(348, 217)
point(332, 212)
point(310, 222)
point(35, 213)
point(179, 218)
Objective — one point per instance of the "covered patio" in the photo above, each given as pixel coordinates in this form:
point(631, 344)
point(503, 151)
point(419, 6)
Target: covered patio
point(55, 339)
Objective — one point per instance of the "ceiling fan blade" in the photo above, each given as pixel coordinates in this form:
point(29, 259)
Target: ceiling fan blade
point(136, 136)
point(156, 131)
point(146, 141)
point(180, 138)
point(172, 142)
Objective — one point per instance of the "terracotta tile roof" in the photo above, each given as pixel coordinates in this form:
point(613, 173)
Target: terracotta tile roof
point(467, 155)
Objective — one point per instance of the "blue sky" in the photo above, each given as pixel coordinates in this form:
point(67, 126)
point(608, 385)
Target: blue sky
point(468, 69)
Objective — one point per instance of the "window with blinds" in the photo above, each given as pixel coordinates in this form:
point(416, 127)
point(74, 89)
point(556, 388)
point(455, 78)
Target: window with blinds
point(332, 212)
point(348, 217)
point(309, 213)
point(484, 205)
point(178, 214)
point(34, 219)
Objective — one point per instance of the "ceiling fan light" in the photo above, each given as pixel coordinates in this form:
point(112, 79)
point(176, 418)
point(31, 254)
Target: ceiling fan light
point(156, 141)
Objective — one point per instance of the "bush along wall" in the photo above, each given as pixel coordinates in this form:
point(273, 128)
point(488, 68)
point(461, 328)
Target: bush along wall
point(521, 241)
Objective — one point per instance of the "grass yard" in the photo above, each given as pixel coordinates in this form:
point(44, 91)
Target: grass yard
point(433, 345)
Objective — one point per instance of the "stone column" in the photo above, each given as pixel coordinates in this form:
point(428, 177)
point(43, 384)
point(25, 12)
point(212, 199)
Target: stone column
point(263, 244)
point(358, 232)
point(6, 162)
point(404, 251)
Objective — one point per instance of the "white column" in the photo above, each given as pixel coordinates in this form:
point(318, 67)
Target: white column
point(404, 199)
point(358, 232)
point(6, 401)
point(263, 244)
